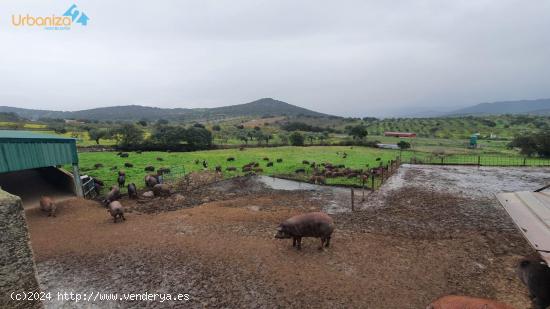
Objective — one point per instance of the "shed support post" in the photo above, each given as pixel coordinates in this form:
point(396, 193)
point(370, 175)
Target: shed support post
point(77, 181)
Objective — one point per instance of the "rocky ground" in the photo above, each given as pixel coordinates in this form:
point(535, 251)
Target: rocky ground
point(409, 243)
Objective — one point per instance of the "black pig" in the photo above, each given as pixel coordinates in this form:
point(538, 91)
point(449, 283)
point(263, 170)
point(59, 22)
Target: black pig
point(535, 274)
point(313, 224)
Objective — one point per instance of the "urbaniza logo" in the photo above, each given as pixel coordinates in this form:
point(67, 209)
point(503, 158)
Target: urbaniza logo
point(73, 16)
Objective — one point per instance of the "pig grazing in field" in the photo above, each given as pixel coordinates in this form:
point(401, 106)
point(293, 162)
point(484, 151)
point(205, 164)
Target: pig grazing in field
point(161, 190)
point(465, 302)
point(116, 210)
point(535, 274)
point(47, 205)
point(121, 178)
point(313, 224)
point(132, 191)
point(98, 184)
point(113, 195)
point(318, 179)
point(150, 181)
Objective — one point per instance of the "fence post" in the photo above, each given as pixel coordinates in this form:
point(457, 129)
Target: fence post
point(478, 160)
point(352, 200)
point(363, 191)
point(524, 161)
point(442, 158)
point(372, 180)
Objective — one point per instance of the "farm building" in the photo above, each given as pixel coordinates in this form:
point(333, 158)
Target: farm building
point(530, 211)
point(387, 146)
point(399, 134)
point(28, 170)
point(28, 164)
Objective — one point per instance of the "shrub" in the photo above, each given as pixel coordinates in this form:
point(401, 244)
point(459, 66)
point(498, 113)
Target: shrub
point(404, 145)
point(296, 139)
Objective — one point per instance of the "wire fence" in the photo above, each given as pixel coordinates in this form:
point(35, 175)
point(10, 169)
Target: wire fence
point(172, 175)
point(374, 178)
point(477, 160)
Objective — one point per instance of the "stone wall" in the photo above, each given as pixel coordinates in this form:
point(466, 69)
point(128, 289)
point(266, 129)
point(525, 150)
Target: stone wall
point(17, 269)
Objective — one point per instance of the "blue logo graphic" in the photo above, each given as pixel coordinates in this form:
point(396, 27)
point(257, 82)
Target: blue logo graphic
point(73, 13)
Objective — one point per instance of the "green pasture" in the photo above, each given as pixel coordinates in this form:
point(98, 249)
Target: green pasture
point(451, 146)
point(357, 158)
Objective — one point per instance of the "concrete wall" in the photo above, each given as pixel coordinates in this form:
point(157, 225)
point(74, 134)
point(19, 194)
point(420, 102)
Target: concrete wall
point(17, 269)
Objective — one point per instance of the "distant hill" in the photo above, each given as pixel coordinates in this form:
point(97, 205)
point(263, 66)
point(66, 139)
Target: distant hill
point(539, 107)
point(266, 106)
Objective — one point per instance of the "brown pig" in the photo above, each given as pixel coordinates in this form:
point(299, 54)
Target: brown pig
point(465, 302)
point(317, 179)
point(313, 224)
point(121, 179)
point(535, 274)
point(116, 210)
point(161, 190)
point(47, 205)
point(150, 181)
point(132, 190)
point(113, 195)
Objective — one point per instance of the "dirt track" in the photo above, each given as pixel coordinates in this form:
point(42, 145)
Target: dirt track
point(219, 248)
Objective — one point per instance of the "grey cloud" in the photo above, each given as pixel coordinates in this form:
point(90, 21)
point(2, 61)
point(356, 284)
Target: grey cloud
point(340, 57)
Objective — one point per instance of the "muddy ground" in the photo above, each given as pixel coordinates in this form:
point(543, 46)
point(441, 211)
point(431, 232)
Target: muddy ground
point(425, 234)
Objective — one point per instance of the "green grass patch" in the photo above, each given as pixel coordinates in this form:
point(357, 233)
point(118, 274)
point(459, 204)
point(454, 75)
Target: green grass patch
point(357, 158)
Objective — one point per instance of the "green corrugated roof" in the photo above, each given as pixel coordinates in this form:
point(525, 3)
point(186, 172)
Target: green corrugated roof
point(20, 150)
point(28, 135)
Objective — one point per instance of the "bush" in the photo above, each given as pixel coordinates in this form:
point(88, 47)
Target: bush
point(130, 135)
point(296, 139)
point(533, 144)
point(357, 132)
point(404, 145)
point(300, 126)
point(198, 138)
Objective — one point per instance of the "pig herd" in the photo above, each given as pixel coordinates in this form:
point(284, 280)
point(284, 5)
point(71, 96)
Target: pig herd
point(533, 272)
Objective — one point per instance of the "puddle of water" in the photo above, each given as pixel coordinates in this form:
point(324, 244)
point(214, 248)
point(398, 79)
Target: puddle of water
point(291, 185)
point(284, 184)
point(331, 199)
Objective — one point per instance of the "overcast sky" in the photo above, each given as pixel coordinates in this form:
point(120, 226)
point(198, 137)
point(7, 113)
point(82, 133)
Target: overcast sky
point(339, 57)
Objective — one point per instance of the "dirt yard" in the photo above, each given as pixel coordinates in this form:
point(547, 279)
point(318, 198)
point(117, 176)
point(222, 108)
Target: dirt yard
point(430, 231)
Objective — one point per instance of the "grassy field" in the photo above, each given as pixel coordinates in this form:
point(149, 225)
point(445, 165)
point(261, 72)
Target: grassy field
point(18, 125)
point(357, 158)
point(451, 146)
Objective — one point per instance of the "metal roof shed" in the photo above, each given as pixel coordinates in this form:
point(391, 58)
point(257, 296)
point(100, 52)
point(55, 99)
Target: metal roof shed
point(21, 150)
point(530, 211)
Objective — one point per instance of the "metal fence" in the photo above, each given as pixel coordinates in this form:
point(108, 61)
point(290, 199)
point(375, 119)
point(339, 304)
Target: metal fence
point(173, 175)
point(477, 160)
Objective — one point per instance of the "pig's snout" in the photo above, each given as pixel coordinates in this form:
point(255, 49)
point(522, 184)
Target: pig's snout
point(281, 234)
